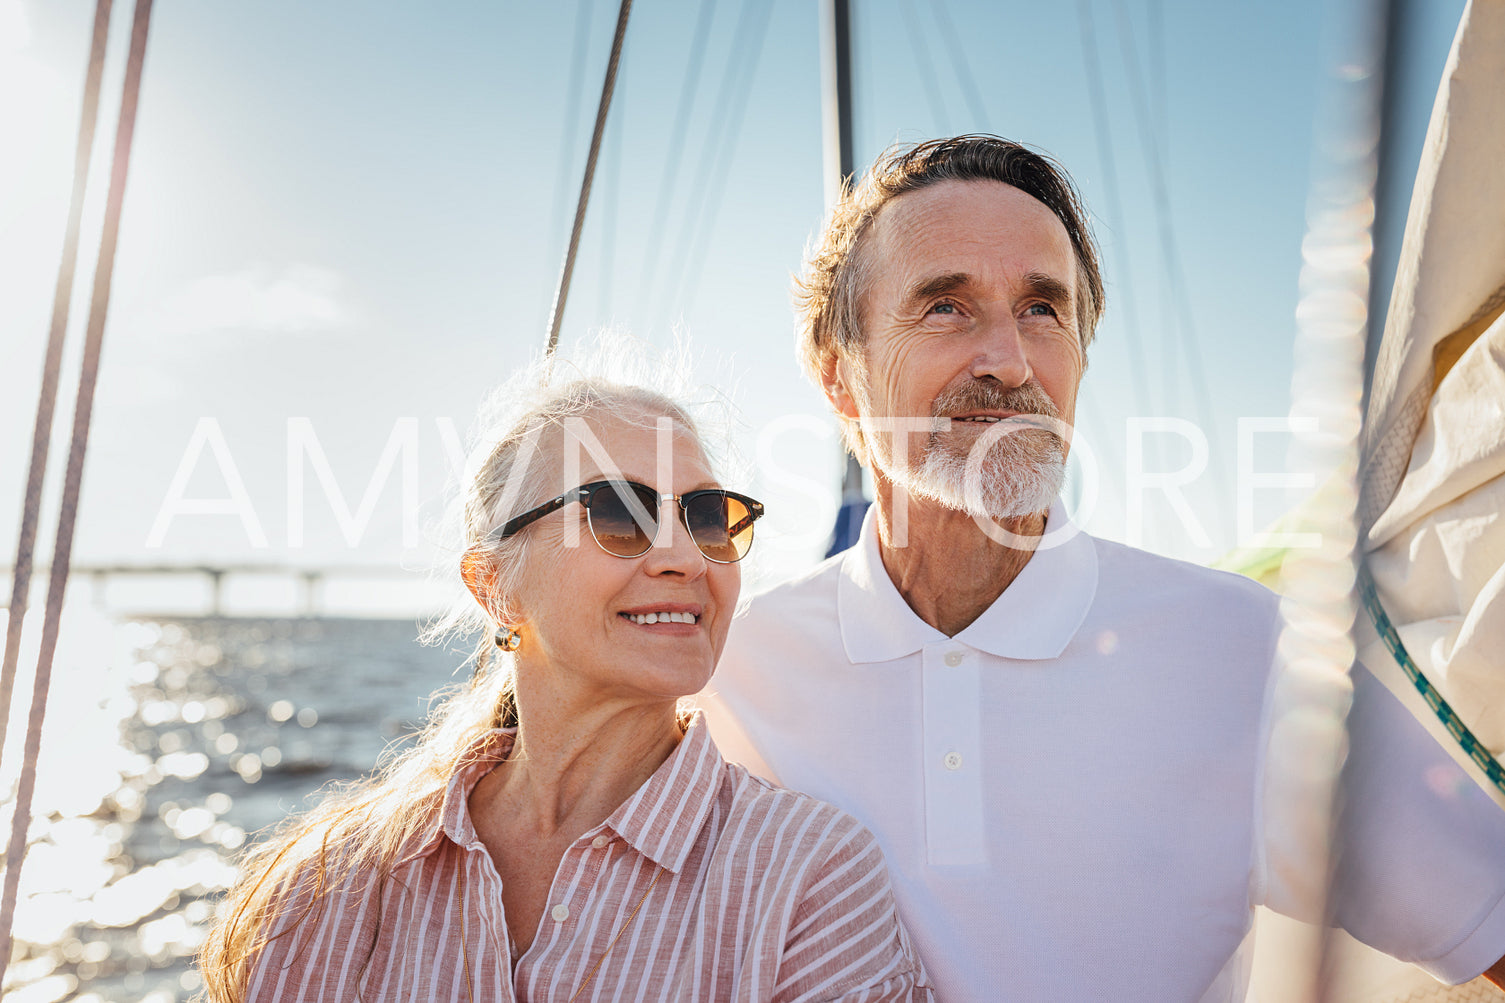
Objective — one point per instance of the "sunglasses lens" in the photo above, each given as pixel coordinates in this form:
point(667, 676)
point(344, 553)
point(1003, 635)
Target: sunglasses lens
point(720, 525)
point(624, 518)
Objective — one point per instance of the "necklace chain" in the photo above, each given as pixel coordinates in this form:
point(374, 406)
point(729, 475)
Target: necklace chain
point(623, 929)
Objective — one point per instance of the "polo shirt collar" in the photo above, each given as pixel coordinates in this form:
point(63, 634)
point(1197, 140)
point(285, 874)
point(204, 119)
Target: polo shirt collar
point(1035, 617)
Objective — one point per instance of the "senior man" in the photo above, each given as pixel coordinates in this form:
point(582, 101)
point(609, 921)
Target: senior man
point(1065, 746)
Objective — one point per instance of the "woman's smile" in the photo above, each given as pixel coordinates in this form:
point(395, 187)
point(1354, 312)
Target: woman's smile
point(665, 618)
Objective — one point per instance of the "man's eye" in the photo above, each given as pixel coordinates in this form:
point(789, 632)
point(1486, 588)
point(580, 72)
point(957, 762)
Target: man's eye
point(1041, 310)
point(945, 306)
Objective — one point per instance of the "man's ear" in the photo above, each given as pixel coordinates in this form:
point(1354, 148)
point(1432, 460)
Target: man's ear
point(836, 381)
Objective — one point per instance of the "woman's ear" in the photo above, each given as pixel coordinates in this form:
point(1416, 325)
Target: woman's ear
point(478, 571)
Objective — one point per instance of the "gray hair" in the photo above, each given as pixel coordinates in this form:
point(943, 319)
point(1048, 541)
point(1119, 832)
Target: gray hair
point(515, 466)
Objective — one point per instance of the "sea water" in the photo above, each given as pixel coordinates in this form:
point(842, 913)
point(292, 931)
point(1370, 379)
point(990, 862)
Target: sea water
point(169, 745)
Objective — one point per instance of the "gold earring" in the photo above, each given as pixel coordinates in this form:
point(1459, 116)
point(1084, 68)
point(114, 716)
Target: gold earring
point(508, 639)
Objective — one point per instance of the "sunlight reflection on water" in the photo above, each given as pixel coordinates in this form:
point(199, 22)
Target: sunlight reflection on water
point(168, 745)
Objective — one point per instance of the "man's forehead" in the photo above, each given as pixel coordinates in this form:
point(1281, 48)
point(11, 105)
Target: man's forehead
point(948, 202)
point(967, 216)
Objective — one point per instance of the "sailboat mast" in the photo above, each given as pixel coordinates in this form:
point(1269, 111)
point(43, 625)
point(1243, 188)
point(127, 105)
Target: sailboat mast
point(836, 85)
point(839, 156)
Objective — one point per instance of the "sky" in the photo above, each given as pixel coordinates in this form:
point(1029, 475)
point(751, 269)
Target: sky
point(344, 223)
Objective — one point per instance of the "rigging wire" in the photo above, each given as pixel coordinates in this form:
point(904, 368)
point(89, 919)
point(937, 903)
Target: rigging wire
point(68, 511)
point(570, 121)
point(962, 67)
point(688, 90)
point(921, 50)
point(1155, 101)
point(1098, 98)
point(690, 285)
point(561, 294)
point(1191, 350)
point(611, 192)
point(1156, 43)
point(1151, 149)
point(710, 151)
point(715, 159)
point(52, 364)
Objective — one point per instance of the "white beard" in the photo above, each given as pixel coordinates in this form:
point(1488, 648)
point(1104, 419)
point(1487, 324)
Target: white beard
point(1020, 474)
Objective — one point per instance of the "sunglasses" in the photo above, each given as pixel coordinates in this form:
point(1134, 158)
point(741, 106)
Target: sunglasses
point(623, 518)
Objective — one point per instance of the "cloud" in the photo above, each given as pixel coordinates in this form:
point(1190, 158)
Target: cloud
point(296, 299)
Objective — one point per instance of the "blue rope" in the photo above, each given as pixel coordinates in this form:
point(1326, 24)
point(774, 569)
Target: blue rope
point(1450, 720)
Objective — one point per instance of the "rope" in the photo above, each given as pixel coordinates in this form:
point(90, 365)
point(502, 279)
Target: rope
point(561, 294)
point(83, 409)
point(1472, 746)
point(611, 201)
point(41, 436)
point(570, 127)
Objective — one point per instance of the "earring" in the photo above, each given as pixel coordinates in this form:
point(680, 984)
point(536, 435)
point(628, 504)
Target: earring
point(508, 639)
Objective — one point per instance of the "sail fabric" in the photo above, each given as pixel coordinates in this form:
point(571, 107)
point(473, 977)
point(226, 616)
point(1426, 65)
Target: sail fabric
point(1433, 515)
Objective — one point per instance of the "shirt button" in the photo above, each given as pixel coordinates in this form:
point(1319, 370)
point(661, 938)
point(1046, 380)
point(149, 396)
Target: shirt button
point(953, 658)
point(560, 912)
point(953, 761)
point(600, 842)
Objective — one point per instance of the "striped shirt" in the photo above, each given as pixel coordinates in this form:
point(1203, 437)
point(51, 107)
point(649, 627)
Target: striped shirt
point(742, 890)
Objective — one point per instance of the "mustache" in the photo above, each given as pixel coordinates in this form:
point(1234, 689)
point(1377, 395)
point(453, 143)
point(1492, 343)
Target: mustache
point(980, 395)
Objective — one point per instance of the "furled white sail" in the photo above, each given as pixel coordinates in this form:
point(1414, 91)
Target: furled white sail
point(1433, 516)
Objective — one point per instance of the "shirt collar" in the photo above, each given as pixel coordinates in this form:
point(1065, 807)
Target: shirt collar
point(661, 820)
point(1035, 617)
point(453, 819)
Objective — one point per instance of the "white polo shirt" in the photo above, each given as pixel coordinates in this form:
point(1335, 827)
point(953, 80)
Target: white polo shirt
point(1074, 793)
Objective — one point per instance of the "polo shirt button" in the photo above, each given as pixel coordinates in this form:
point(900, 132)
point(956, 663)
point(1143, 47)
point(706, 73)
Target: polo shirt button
point(560, 912)
point(953, 761)
point(599, 842)
point(953, 658)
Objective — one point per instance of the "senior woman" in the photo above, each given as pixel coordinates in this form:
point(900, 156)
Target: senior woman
point(563, 831)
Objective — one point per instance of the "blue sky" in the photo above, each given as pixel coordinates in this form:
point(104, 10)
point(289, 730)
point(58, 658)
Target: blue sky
point(354, 213)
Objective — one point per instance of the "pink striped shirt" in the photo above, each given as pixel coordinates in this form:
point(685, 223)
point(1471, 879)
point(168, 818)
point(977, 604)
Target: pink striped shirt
point(748, 892)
